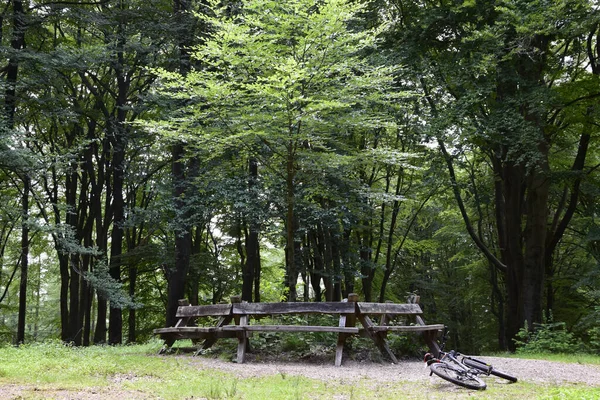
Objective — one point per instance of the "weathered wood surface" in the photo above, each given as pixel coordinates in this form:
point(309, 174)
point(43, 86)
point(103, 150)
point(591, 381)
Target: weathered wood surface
point(293, 308)
point(183, 329)
point(193, 332)
point(389, 308)
point(211, 310)
point(291, 328)
point(407, 328)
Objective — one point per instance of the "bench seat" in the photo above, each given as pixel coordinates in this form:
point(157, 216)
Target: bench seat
point(291, 328)
point(193, 332)
point(407, 328)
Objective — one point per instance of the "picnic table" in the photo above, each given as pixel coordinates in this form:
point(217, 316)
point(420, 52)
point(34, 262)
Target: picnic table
point(354, 318)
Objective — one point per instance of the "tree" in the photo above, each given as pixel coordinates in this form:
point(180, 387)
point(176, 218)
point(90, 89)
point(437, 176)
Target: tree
point(292, 78)
point(511, 80)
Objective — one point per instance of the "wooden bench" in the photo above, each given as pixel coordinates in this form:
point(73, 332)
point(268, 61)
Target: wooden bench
point(236, 321)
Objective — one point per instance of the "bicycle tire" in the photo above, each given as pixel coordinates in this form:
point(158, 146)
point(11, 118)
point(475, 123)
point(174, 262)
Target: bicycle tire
point(480, 365)
point(450, 374)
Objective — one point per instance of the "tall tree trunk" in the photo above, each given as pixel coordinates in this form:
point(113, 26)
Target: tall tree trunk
point(328, 273)
point(316, 273)
point(10, 106)
point(63, 262)
point(85, 299)
point(101, 328)
point(291, 272)
point(337, 266)
point(74, 286)
point(252, 265)
point(183, 238)
point(183, 234)
point(366, 265)
point(131, 326)
point(347, 269)
point(24, 260)
point(389, 267)
point(119, 146)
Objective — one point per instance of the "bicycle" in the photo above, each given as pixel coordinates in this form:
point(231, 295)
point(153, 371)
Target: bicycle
point(465, 372)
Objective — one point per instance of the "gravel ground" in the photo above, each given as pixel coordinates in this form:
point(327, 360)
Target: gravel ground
point(541, 371)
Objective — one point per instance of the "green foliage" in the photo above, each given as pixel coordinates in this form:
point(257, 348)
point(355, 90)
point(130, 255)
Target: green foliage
point(109, 288)
point(547, 337)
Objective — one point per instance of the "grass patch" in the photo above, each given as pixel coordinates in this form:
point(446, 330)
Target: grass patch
point(135, 372)
point(576, 358)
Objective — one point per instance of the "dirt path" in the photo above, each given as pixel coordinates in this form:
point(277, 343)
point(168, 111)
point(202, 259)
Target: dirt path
point(541, 371)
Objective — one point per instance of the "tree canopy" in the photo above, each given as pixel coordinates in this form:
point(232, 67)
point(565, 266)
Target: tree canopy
point(298, 151)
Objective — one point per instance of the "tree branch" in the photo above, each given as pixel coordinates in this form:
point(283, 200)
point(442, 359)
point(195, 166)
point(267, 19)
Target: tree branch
point(461, 205)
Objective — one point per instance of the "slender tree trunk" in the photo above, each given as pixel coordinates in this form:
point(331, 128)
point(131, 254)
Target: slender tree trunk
point(316, 273)
point(328, 274)
point(366, 266)
point(347, 269)
point(291, 274)
point(101, 328)
point(63, 262)
point(183, 238)
point(119, 146)
point(252, 264)
point(183, 235)
point(10, 106)
point(337, 266)
point(131, 327)
point(389, 267)
point(74, 286)
point(24, 261)
point(86, 291)
point(38, 302)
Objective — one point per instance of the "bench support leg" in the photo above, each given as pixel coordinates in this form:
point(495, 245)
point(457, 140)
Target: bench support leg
point(378, 338)
point(241, 350)
point(339, 351)
point(242, 341)
point(430, 339)
point(166, 346)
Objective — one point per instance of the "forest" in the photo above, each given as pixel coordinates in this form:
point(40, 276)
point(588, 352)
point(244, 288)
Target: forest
point(299, 150)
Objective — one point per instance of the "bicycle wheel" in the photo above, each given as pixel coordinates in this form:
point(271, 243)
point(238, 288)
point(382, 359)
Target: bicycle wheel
point(460, 378)
point(480, 365)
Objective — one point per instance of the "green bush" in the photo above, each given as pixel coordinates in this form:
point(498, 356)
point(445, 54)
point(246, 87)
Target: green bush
point(547, 337)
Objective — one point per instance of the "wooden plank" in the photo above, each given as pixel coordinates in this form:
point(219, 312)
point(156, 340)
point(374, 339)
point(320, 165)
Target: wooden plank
point(389, 308)
point(170, 337)
point(184, 329)
point(293, 308)
point(290, 328)
point(407, 328)
point(210, 310)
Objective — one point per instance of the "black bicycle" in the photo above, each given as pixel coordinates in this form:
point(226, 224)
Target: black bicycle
point(462, 370)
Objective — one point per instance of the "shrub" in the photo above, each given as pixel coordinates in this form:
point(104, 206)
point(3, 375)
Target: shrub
point(547, 337)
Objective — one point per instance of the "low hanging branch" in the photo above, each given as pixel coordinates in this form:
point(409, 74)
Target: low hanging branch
point(17, 266)
point(456, 190)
